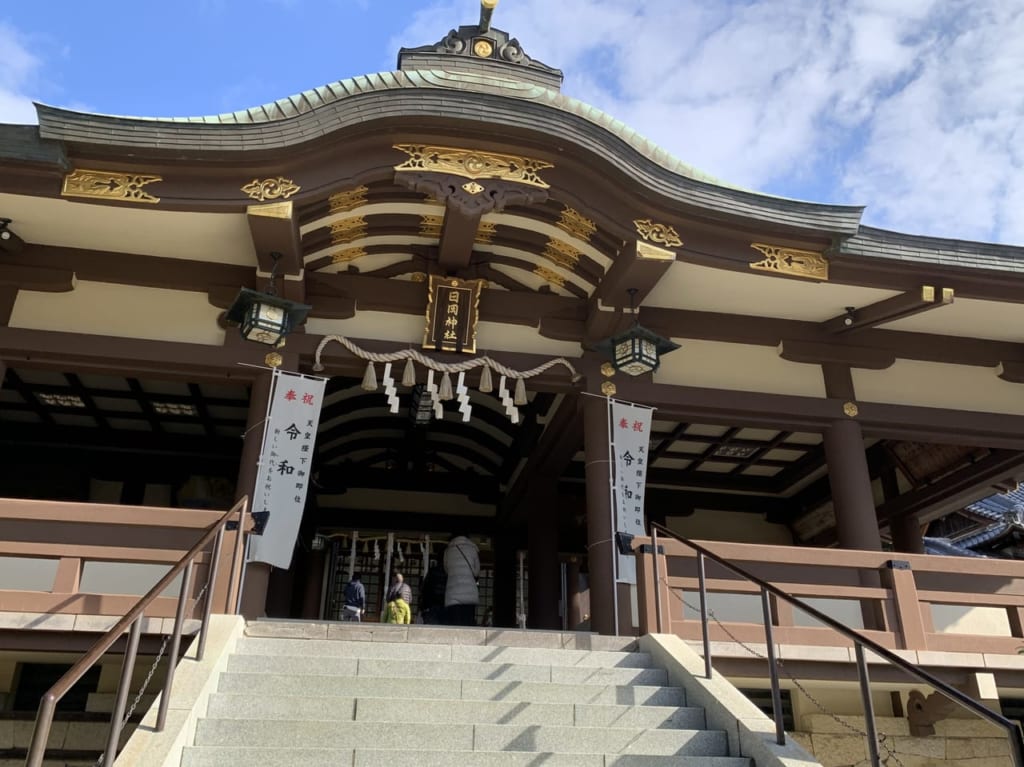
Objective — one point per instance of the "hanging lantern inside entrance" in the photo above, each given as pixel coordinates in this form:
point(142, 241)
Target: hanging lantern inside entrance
point(637, 350)
point(266, 318)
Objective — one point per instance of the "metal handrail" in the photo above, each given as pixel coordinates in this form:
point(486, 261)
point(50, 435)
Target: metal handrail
point(1013, 729)
point(133, 621)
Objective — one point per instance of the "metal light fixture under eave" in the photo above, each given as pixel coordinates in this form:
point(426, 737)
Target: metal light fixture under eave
point(637, 350)
point(266, 318)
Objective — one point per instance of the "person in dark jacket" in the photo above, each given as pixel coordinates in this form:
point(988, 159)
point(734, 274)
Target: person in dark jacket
point(355, 599)
point(432, 594)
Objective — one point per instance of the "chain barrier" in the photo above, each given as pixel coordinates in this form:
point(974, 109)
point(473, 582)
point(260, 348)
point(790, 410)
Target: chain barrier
point(152, 670)
point(889, 758)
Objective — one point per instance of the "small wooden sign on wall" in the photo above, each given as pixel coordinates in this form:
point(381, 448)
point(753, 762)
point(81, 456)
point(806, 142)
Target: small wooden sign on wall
point(452, 314)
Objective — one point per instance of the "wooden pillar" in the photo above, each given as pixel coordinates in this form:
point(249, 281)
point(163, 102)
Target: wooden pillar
point(505, 574)
point(313, 584)
point(257, 574)
point(574, 609)
point(542, 558)
point(854, 503)
point(906, 530)
point(600, 546)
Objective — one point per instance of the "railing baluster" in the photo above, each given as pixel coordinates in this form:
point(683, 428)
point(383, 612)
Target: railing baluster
point(702, 587)
point(127, 668)
point(869, 706)
point(41, 733)
point(773, 669)
point(657, 583)
point(211, 584)
point(172, 657)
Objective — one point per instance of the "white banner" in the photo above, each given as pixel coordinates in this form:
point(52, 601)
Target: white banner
point(630, 430)
point(285, 462)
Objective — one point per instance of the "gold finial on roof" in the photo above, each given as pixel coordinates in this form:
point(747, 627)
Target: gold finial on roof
point(486, 10)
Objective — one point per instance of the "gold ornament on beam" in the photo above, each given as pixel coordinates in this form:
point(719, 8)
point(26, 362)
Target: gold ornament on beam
point(791, 262)
point(486, 232)
point(279, 188)
point(349, 254)
point(575, 223)
point(663, 234)
point(348, 230)
point(550, 276)
point(430, 226)
point(109, 185)
point(561, 253)
point(472, 164)
point(342, 202)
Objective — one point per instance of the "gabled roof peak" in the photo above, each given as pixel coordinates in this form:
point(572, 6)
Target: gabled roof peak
point(483, 49)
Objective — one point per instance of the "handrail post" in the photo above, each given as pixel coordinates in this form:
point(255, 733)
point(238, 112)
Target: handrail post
point(657, 583)
point(127, 668)
point(702, 587)
point(211, 584)
point(172, 656)
point(41, 734)
point(780, 729)
point(869, 706)
point(237, 565)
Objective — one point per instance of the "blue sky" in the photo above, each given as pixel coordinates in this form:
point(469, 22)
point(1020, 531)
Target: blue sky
point(914, 108)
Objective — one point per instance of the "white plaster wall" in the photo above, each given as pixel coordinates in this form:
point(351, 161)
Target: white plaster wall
point(932, 384)
point(739, 367)
point(127, 311)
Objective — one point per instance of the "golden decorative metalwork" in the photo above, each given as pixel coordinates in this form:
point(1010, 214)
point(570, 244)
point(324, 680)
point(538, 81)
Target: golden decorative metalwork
point(486, 232)
point(790, 261)
point(279, 210)
point(418, 277)
point(561, 253)
point(271, 188)
point(342, 202)
point(349, 254)
point(473, 187)
point(607, 369)
point(662, 234)
point(472, 164)
point(608, 389)
point(483, 48)
point(430, 226)
point(653, 252)
point(348, 230)
point(552, 277)
point(109, 185)
point(576, 224)
point(851, 409)
point(274, 360)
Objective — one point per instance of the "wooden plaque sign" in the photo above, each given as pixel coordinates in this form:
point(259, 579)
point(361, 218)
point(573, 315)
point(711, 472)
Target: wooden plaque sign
point(452, 313)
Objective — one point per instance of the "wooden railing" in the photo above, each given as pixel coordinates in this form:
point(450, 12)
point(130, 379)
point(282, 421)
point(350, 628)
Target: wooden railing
point(893, 593)
point(73, 535)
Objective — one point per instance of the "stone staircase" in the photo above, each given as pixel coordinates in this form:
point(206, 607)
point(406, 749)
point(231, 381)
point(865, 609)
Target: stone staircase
point(369, 695)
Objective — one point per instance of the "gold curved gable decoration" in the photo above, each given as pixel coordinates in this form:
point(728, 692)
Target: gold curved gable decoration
point(791, 262)
point(663, 234)
point(109, 185)
point(271, 188)
point(471, 164)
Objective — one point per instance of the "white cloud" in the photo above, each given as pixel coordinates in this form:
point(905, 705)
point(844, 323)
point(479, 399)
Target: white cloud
point(17, 69)
point(914, 108)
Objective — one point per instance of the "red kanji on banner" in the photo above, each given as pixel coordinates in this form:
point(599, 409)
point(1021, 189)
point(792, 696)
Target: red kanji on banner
point(307, 399)
point(623, 424)
point(290, 395)
point(637, 426)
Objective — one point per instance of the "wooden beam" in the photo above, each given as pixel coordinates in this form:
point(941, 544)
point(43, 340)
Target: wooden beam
point(890, 309)
point(38, 278)
point(815, 353)
point(274, 229)
point(639, 266)
point(458, 235)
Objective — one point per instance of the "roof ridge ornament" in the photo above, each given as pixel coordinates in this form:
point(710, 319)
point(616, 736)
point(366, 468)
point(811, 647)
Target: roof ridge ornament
point(465, 48)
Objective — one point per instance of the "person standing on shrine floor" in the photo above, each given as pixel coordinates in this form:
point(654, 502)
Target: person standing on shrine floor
point(461, 594)
point(355, 599)
point(399, 601)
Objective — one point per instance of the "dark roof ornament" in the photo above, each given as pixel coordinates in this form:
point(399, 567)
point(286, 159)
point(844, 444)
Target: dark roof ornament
point(476, 48)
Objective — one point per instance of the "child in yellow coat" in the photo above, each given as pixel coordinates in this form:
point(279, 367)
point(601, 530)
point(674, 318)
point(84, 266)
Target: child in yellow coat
point(398, 611)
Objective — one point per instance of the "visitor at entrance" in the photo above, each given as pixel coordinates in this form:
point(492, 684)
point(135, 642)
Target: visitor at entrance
point(399, 599)
point(461, 595)
point(355, 599)
point(432, 589)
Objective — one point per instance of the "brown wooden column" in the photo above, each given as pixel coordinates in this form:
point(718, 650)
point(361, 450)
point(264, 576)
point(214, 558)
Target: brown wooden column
point(505, 574)
point(257, 574)
point(574, 608)
point(906, 529)
point(542, 544)
point(313, 584)
point(600, 545)
point(854, 503)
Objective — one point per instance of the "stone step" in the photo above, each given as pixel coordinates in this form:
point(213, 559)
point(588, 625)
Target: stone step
point(231, 706)
point(322, 648)
point(313, 757)
point(315, 685)
point(334, 666)
point(462, 737)
point(450, 635)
